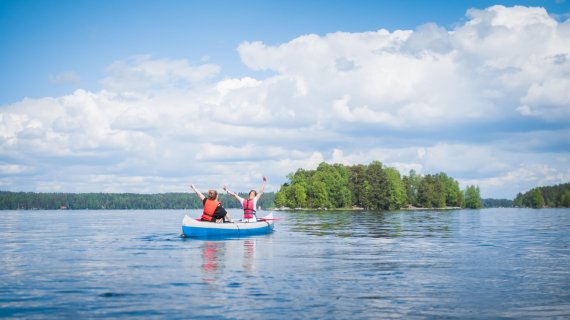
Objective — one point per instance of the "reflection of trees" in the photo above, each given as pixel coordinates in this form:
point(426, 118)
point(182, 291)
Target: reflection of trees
point(426, 224)
point(373, 224)
point(321, 223)
point(343, 224)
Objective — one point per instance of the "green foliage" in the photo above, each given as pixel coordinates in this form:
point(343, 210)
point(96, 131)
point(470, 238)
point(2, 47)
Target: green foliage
point(318, 195)
point(430, 193)
point(451, 191)
point(518, 201)
point(497, 203)
point(358, 185)
point(473, 198)
point(377, 191)
point(372, 187)
point(396, 190)
point(280, 199)
point(298, 195)
point(536, 199)
point(557, 196)
point(411, 183)
point(565, 199)
point(95, 201)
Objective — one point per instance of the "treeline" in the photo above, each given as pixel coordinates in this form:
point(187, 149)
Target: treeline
point(497, 203)
point(557, 196)
point(372, 187)
point(111, 201)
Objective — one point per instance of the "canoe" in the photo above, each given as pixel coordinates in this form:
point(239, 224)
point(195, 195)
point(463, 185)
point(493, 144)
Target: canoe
point(198, 229)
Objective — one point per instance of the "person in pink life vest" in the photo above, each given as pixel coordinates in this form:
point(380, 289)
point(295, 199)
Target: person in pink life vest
point(250, 204)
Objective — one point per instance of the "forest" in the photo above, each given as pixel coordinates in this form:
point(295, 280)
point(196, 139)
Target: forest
point(497, 203)
point(557, 196)
point(372, 187)
point(110, 201)
point(329, 186)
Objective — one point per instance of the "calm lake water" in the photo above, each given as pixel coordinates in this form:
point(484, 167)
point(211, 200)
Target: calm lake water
point(493, 263)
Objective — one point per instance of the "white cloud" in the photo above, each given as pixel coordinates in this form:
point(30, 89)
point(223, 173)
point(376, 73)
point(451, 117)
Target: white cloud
point(482, 70)
point(143, 72)
point(472, 102)
point(11, 169)
point(549, 99)
point(519, 179)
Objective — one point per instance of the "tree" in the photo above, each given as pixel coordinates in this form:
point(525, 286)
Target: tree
point(565, 199)
point(372, 186)
point(497, 203)
point(411, 183)
point(430, 193)
point(341, 194)
point(536, 199)
point(377, 191)
point(300, 177)
point(473, 198)
point(357, 184)
point(451, 191)
point(109, 201)
point(280, 199)
point(335, 178)
point(518, 202)
point(396, 189)
point(319, 195)
point(551, 196)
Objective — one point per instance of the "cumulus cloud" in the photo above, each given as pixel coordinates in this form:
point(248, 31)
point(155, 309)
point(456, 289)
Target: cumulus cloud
point(472, 102)
point(501, 61)
point(548, 99)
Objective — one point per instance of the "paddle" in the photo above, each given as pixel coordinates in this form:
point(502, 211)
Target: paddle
point(260, 219)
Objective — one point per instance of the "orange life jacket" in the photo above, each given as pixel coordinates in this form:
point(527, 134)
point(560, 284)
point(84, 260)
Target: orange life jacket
point(248, 209)
point(209, 209)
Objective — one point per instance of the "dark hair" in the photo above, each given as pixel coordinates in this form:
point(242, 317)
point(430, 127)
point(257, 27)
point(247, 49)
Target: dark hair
point(254, 192)
point(212, 194)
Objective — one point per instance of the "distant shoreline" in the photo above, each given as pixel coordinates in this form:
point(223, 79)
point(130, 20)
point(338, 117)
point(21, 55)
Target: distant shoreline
point(409, 208)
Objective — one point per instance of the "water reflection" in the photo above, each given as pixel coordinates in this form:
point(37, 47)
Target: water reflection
point(213, 257)
point(248, 255)
point(493, 263)
point(322, 223)
point(230, 255)
point(347, 224)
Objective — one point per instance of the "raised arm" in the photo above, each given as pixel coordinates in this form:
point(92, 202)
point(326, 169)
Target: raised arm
point(200, 195)
point(231, 193)
point(262, 188)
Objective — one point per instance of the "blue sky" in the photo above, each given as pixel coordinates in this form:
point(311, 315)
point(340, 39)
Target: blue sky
point(47, 38)
point(115, 95)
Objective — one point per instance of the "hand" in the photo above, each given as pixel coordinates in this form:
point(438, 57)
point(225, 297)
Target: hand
point(192, 186)
point(225, 188)
point(264, 178)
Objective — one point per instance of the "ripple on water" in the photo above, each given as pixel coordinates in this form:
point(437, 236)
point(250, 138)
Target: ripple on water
point(508, 263)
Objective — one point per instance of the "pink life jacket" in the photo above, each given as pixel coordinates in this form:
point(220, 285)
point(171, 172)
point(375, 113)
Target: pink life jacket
point(248, 209)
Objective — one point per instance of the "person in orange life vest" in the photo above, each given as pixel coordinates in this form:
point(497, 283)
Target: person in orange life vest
point(213, 210)
point(250, 203)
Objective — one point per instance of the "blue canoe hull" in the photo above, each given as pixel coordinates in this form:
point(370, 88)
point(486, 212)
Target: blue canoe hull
point(200, 229)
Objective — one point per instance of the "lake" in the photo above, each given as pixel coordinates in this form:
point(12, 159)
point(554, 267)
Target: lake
point(491, 263)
